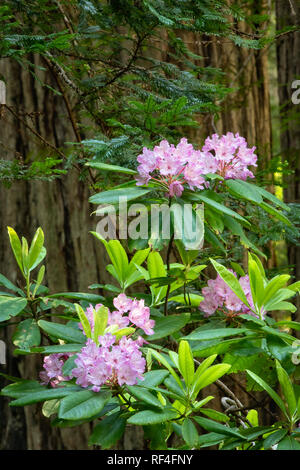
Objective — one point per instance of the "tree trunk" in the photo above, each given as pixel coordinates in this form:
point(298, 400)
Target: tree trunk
point(74, 258)
point(288, 65)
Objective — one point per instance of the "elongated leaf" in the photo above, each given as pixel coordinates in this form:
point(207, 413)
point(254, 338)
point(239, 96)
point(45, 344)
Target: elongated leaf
point(144, 395)
point(11, 306)
point(113, 196)
point(209, 376)
point(27, 334)
point(149, 417)
point(274, 438)
point(64, 332)
point(205, 335)
point(269, 390)
point(16, 247)
point(108, 431)
point(153, 378)
point(160, 358)
point(166, 326)
point(106, 167)
point(100, 322)
point(82, 405)
point(83, 320)
point(186, 362)
point(35, 248)
point(189, 433)
point(231, 281)
point(244, 190)
point(276, 213)
point(218, 428)
point(45, 394)
point(220, 208)
point(287, 388)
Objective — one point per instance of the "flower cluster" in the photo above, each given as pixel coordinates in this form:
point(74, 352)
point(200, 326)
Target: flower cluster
point(112, 362)
point(52, 373)
point(218, 295)
point(109, 363)
point(137, 314)
point(173, 167)
point(232, 155)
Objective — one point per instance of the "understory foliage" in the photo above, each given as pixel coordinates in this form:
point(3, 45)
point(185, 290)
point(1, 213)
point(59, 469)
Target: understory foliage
point(145, 358)
point(143, 349)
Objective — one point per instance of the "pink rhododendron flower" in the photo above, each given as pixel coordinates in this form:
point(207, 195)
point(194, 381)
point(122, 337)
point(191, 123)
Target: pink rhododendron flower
point(217, 295)
point(137, 313)
point(109, 363)
point(112, 362)
point(228, 156)
point(52, 373)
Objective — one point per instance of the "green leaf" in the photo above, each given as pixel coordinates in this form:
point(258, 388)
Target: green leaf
point(156, 269)
point(144, 395)
point(35, 248)
point(83, 404)
point(287, 388)
point(23, 387)
point(209, 376)
point(84, 320)
point(45, 394)
point(166, 326)
point(186, 362)
point(270, 197)
point(244, 190)
point(220, 208)
point(189, 433)
point(218, 428)
point(204, 335)
point(113, 196)
point(192, 300)
point(63, 332)
point(106, 167)
point(216, 415)
point(153, 378)
point(9, 285)
point(274, 285)
point(288, 443)
point(16, 247)
point(231, 281)
point(269, 390)
point(108, 431)
point(11, 306)
point(274, 438)
point(149, 417)
point(27, 334)
point(161, 359)
point(276, 213)
point(100, 322)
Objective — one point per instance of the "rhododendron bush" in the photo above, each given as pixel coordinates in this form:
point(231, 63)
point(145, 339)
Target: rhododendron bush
point(175, 319)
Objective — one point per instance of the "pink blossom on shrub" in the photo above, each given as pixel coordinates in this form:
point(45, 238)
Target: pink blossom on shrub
point(228, 156)
point(218, 295)
point(52, 373)
point(109, 363)
point(137, 313)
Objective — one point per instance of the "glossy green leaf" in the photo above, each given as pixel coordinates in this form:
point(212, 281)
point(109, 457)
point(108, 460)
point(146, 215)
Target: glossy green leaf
point(108, 431)
point(27, 334)
point(186, 362)
point(11, 306)
point(83, 404)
